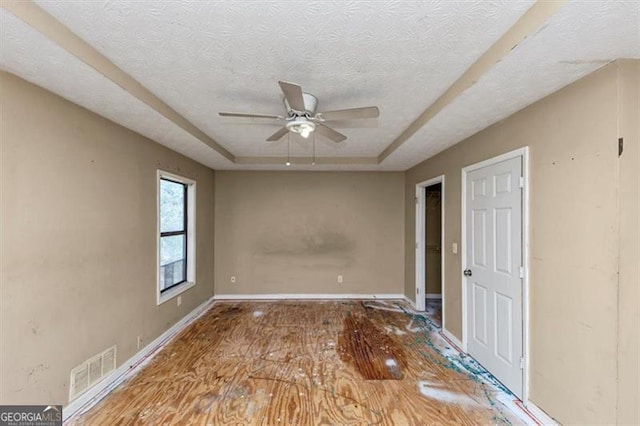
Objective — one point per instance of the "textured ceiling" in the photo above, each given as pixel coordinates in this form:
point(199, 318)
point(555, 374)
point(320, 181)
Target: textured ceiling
point(205, 57)
point(202, 57)
point(579, 39)
point(27, 53)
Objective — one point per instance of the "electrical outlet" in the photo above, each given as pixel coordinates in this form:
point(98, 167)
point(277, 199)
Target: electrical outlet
point(179, 301)
point(339, 279)
point(139, 341)
point(233, 278)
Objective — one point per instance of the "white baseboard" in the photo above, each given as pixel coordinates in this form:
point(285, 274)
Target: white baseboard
point(453, 339)
point(539, 415)
point(433, 296)
point(303, 296)
point(132, 366)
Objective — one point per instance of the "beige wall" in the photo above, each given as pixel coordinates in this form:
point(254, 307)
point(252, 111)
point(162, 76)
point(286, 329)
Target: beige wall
point(295, 232)
point(629, 296)
point(572, 136)
point(79, 241)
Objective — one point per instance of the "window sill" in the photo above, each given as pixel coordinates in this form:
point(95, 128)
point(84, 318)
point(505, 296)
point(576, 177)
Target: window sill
point(170, 294)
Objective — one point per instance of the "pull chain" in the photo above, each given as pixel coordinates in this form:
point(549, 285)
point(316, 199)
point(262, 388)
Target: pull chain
point(313, 160)
point(288, 163)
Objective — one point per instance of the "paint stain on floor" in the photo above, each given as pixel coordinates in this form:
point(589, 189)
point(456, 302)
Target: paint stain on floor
point(308, 363)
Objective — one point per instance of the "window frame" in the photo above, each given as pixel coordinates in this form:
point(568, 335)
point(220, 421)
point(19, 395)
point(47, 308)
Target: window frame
point(182, 232)
point(189, 232)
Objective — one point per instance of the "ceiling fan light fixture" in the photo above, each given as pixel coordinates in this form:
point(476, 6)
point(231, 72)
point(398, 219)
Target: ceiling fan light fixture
point(302, 126)
point(305, 132)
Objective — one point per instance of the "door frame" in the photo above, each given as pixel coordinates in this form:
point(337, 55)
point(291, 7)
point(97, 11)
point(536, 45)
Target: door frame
point(421, 243)
point(524, 154)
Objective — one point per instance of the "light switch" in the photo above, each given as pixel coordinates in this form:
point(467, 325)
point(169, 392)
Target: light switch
point(454, 248)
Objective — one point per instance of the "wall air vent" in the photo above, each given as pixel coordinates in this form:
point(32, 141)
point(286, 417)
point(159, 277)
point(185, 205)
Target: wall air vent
point(91, 371)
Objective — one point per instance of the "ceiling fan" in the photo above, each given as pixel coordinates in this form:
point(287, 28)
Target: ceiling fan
point(302, 117)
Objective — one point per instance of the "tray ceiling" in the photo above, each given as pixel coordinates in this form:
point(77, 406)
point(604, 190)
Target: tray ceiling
point(204, 57)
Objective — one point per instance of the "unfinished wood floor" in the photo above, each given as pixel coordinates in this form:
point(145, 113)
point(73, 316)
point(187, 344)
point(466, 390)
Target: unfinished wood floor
point(307, 363)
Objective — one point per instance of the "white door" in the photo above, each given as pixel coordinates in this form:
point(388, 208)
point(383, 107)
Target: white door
point(493, 270)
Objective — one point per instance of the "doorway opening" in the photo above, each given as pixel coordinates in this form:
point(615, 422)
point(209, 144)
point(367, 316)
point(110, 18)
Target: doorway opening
point(433, 251)
point(429, 247)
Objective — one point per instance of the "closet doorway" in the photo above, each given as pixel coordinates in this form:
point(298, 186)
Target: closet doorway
point(429, 244)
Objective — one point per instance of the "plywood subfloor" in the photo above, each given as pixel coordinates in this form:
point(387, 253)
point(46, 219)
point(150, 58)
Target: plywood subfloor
point(307, 363)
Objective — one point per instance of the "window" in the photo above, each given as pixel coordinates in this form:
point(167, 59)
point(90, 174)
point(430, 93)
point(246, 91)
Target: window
point(176, 226)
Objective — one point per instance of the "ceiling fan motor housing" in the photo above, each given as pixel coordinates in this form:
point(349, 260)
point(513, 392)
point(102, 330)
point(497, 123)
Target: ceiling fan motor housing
point(310, 105)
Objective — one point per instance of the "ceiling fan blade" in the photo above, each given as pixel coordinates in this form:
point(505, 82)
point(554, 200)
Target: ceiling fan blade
point(350, 114)
point(242, 114)
point(329, 133)
point(293, 94)
point(278, 135)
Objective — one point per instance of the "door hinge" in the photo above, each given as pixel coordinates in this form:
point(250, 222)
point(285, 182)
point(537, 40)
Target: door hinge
point(521, 181)
point(620, 146)
point(417, 291)
point(522, 272)
point(416, 198)
point(521, 363)
point(416, 246)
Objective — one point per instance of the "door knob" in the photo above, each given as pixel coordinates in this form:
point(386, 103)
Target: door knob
point(467, 272)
